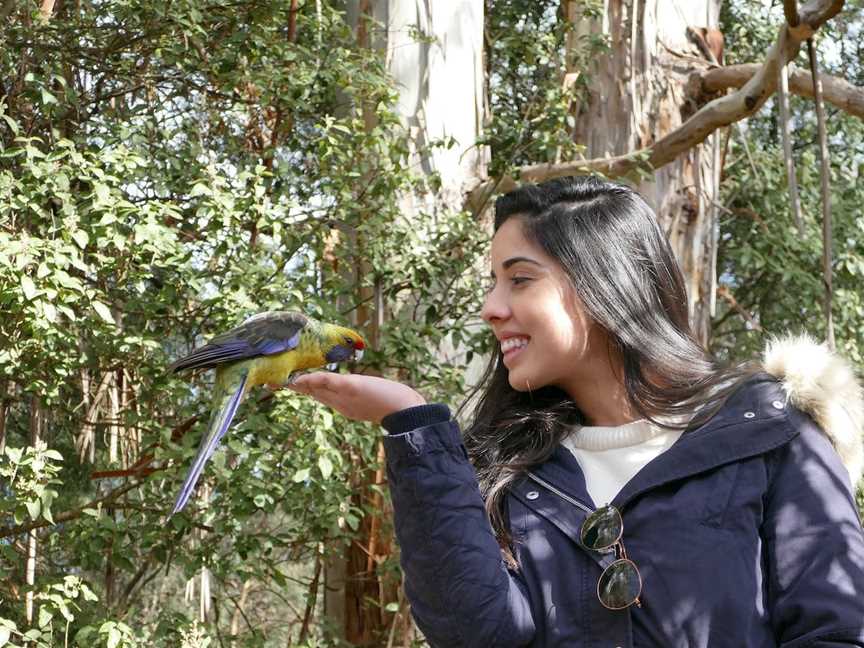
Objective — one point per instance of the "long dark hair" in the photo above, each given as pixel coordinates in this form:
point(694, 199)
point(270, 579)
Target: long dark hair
point(608, 241)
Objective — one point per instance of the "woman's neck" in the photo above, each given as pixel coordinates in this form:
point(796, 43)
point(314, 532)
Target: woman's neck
point(602, 398)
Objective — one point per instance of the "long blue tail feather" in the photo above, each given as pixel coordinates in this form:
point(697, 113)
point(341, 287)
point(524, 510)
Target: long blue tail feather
point(219, 424)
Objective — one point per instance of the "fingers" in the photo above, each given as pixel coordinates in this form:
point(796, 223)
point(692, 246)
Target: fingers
point(314, 382)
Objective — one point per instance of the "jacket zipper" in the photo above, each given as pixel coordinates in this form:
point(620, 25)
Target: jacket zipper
point(563, 496)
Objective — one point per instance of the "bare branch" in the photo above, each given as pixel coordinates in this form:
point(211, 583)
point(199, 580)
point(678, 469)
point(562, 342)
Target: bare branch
point(71, 514)
point(835, 90)
point(47, 9)
point(825, 171)
point(791, 179)
point(727, 295)
point(790, 10)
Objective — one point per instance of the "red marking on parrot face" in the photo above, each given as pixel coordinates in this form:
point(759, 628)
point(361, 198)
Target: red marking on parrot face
point(358, 344)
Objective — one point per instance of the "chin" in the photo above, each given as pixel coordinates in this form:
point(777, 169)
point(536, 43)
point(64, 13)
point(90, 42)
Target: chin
point(521, 384)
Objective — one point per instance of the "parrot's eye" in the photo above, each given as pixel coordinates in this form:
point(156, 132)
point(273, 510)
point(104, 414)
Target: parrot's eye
point(349, 341)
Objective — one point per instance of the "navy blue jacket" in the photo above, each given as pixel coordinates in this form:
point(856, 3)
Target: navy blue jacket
point(745, 532)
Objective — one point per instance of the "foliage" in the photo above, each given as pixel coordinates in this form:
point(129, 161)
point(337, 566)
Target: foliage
point(166, 171)
point(532, 108)
point(774, 273)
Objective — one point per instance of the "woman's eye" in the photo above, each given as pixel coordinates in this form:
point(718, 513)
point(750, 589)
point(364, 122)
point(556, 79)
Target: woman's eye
point(519, 280)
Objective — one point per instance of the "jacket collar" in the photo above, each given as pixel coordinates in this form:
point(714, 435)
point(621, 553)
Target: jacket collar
point(753, 420)
point(822, 384)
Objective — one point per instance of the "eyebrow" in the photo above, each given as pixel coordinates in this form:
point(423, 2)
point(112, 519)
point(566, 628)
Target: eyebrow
point(518, 259)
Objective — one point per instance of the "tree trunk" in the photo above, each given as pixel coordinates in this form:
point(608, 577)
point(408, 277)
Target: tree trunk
point(434, 73)
point(638, 96)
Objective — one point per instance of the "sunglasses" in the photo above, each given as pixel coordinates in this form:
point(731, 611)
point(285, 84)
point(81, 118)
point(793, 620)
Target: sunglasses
point(620, 583)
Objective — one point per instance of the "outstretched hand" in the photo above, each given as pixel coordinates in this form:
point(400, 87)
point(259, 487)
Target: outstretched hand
point(355, 396)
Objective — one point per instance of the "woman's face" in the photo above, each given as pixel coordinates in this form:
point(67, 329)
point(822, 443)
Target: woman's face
point(545, 335)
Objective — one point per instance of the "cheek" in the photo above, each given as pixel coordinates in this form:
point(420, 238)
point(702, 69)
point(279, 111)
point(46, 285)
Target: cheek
point(565, 325)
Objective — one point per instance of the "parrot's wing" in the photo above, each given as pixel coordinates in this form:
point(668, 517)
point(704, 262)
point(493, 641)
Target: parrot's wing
point(219, 424)
point(263, 334)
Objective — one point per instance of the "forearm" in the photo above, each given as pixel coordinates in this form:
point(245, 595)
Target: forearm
point(461, 593)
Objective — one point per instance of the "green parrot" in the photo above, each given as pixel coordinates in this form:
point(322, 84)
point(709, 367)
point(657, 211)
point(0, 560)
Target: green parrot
point(264, 350)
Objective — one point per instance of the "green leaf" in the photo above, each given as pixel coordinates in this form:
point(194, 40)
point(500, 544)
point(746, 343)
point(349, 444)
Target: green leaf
point(45, 616)
point(28, 287)
point(114, 637)
point(102, 192)
point(49, 311)
point(103, 312)
point(300, 476)
point(48, 98)
point(13, 125)
point(325, 466)
point(81, 238)
point(34, 508)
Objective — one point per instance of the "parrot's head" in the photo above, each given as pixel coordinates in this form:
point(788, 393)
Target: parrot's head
point(342, 344)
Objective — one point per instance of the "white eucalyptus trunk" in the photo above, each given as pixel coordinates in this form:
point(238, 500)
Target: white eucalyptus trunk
point(434, 52)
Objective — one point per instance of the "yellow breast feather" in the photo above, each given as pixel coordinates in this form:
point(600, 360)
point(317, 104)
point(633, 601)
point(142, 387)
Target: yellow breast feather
point(277, 368)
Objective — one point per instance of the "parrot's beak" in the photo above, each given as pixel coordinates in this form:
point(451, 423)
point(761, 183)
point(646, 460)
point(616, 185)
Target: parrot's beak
point(358, 355)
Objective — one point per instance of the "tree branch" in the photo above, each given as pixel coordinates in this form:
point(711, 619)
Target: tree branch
point(727, 295)
point(825, 172)
point(791, 178)
point(835, 90)
point(71, 514)
point(790, 10)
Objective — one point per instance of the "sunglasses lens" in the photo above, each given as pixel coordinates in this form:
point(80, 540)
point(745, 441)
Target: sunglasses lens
point(620, 585)
point(602, 529)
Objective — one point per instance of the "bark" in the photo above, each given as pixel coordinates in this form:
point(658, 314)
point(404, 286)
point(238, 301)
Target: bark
point(311, 600)
point(47, 9)
point(638, 122)
point(32, 541)
point(836, 91)
point(716, 114)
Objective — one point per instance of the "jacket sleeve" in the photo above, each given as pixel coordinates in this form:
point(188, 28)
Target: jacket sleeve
point(813, 544)
point(460, 591)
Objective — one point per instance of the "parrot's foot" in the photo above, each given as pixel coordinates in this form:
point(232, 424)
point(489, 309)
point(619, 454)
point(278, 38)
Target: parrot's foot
point(291, 380)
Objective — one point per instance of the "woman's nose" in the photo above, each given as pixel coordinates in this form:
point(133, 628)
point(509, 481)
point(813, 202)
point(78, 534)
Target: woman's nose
point(495, 307)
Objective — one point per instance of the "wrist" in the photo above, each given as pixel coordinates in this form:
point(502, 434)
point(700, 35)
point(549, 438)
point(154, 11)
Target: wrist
point(416, 416)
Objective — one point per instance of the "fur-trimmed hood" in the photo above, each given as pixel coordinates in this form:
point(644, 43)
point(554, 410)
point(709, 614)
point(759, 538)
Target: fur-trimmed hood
point(823, 384)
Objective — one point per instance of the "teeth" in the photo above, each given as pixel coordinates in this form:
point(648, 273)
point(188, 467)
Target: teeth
point(513, 343)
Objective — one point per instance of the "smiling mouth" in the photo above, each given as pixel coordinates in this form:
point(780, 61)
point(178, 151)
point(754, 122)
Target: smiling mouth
point(511, 346)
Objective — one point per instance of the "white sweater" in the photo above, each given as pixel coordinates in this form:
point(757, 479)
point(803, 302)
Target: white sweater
point(611, 456)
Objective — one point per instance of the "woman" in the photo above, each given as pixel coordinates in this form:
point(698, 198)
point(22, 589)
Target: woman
point(622, 489)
